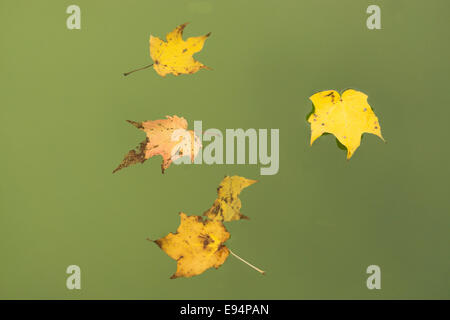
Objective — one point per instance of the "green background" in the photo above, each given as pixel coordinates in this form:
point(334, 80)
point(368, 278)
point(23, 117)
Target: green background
point(315, 226)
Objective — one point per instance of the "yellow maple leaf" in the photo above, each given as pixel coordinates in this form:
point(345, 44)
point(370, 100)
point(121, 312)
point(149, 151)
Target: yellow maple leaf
point(196, 246)
point(347, 117)
point(175, 54)
point(227, 205)
point(166, 137)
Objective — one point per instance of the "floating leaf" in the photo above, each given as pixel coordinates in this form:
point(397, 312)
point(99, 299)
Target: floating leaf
point(166, 137)
point(175, 55)
point(196, 246)
point(227, 205)
point(347, 117)
point(198, 243)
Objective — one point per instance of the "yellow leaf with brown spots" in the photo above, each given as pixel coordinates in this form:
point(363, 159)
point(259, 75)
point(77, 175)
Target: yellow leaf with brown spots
point(347, 117)
point(227, 206)
point(175, 55)
point(196, 246)
point(166, 137)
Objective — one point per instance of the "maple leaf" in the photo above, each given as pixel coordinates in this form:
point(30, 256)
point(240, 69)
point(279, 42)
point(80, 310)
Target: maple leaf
point(227, 205)
point(166, 137)
point(347, 117)
point(196, 246)
point(175, 55)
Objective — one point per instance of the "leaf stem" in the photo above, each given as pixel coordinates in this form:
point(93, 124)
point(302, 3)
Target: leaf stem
point(127, 73)
point(247, 263)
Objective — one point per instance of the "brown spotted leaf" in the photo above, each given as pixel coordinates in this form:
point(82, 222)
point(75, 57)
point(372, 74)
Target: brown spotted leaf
point(175, 55)
point(168, 138)
point(346, 116)
point(227, 206)
point(196, 246)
